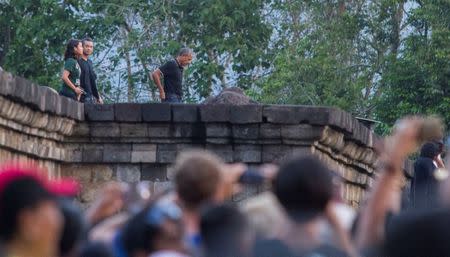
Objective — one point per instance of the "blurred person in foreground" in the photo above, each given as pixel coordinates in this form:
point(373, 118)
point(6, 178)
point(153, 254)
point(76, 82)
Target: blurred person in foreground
point(304, 188)
point(225, 232)
point(31, 221)
point(424, 185)
point(202, 179)
point(155, 231)
point(384, 199)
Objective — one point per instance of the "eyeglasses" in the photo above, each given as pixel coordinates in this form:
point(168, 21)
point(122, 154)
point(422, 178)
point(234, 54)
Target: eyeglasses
point(162, 210)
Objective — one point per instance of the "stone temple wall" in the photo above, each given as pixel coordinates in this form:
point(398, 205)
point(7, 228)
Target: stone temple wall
point(136, 142)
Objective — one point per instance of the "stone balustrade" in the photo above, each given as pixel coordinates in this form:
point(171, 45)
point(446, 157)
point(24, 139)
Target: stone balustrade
point(134, 142)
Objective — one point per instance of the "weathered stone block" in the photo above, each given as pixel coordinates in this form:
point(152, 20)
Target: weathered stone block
point(275, 153)
point(73, 155)
point(50, 100)
point(80, 130)
point(163, 130)
point(34, 99)
point(145, 153)
point(247, 153)
point(267, 130)
point(156, 112)
point(71, 107)
point(166, 153)
point(300, 150)
point(133, 130)
point(154, 172)
point(99, 112)
point(80, 172)
point(283, 114)
point(223, 151)
point(218, 130)
point(245, 131)
point(93, 153)
point(128, 112)
point(182, 130)
point(101, 173)
point(128, 173)
point(338, 118)
point(243, 114)
point(219, 141)
point(22, 90)
point(215, 113)
point(104, 129)
point(185, 113)
point(117, 153)
point(301, 131)
point(80, 112)
point(191, 130)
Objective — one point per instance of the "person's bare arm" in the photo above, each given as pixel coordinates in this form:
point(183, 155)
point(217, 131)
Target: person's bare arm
point(65, 78)
point(385, 195)
point(341, 235)
point(109, 201)
point(156, 75)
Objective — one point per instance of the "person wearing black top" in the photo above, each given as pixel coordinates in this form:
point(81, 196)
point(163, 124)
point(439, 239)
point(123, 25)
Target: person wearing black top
point(88, 76)
point(424, 186)
point(172, 72)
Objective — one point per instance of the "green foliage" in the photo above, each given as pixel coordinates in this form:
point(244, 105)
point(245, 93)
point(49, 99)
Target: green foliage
point(34, 34)
point(376, 59)
point(418, 81)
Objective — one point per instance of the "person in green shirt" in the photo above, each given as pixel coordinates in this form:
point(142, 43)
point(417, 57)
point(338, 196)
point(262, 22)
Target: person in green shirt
point(71, 73)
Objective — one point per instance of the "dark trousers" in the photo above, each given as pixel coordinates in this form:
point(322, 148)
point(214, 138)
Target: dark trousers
point(172, 98)
point(87, 99)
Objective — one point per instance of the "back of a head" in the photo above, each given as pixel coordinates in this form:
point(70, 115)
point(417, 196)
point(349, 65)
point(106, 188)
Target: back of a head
point(429, 150)
point(197, 176)
point(74, 228)
point(419, 233)
point(136, 235)
point(304, 187)
point(223, 229)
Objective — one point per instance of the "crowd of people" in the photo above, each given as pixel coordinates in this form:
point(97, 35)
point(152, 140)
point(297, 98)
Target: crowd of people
point(301, 214)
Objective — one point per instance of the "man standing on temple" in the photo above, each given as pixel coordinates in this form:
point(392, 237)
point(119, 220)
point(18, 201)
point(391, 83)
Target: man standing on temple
point(172, 72)
point(88, 77)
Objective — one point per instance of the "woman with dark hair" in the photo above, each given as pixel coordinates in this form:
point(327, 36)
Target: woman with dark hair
point(71, 73)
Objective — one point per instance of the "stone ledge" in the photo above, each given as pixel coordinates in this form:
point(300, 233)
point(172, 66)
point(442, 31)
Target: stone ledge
point(244, 114)
point(36, 97)
point(185, 113)
point(128, 112)
point(215, 113)
point(99, 112)
point(156, 112)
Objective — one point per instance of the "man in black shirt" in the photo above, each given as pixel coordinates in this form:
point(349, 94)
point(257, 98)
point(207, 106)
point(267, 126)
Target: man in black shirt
point(88, 76)
point(172, 72)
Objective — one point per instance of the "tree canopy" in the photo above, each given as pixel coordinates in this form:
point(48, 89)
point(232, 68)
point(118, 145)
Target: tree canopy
point(376, 59)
